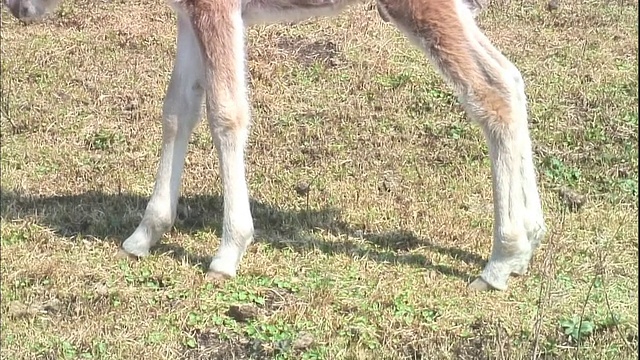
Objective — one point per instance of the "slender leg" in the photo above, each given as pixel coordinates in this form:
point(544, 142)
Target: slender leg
point(181, 112)
point(222, 39)
point(534, 220)
point(492, 92)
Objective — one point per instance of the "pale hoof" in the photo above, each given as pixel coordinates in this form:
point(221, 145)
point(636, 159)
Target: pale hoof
point(217, 278)
point(518, 273)
point(522, 270)
point(121, 254)
point(480, 285)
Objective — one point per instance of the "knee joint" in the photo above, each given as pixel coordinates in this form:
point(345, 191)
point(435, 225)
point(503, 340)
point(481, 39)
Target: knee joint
point(230, 116)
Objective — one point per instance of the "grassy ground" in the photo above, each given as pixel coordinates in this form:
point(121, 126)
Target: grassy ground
point(373, 261)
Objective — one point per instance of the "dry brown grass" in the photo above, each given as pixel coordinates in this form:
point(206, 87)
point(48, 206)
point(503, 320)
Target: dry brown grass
point(373, 263)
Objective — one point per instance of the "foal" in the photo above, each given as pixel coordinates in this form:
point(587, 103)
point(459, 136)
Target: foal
point(210, 64)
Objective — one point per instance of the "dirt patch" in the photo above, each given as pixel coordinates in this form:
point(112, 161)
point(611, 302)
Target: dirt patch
point(572, 199)
point(309, 52)
point(484, 340)
point(243, 313)
point(213, 346)
point(277, 299)
point(70, 306)
point(210, 345)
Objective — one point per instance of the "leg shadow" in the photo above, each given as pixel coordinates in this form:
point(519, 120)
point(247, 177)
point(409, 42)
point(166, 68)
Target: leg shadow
point(112, 217)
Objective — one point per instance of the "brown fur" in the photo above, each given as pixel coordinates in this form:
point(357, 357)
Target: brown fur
point(451, 47)
point(214, 27)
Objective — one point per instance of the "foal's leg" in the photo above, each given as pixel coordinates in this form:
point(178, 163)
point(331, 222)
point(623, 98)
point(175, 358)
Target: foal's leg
point(181, 112)
point(534, 220)
point(492, 92)
point(219, 26)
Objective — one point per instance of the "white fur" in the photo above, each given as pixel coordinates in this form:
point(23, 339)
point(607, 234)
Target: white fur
point(181, 113)
point(237, 229)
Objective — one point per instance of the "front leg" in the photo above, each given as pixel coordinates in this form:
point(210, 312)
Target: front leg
point(220, 28)
point(181, 113)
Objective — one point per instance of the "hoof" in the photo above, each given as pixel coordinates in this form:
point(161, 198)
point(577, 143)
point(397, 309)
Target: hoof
point(217, 278)
point(520, 271)
point(121, 254)
point(480, 285)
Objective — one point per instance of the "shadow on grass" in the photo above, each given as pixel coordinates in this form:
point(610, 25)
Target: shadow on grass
point(114, 217)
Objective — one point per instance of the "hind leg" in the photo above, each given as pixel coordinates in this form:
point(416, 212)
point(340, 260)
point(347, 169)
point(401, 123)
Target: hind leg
point(492, 93)
point(534, 220)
